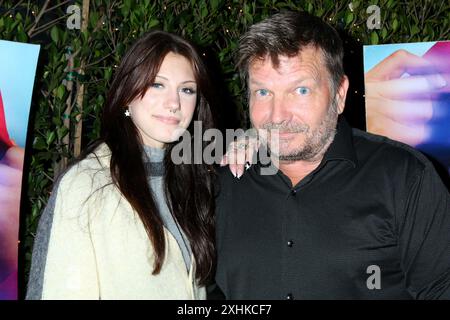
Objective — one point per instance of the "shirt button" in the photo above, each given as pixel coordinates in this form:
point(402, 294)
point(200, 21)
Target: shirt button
point(290, 243)
point(289, 296)
point(293, 192)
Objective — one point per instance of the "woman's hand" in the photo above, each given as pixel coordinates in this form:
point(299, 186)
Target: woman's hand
point(239, 155)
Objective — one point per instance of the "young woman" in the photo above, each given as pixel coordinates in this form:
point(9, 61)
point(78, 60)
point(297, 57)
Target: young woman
point(125, 222)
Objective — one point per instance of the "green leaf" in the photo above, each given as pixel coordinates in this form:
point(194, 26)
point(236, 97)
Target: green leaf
point(50, 137)
point(39, 144)
point(214, 5)
point(374, 38)
point(349, 18)
point(57, 121)
point(204, 11)
point(62, 132)
point(107, 73)
point(355, 4)
point(54, 34)
point(394, 25)
point(125, 10)
point(85, 37)
point(60, 91)
point(22, 36)
point(100, 99)
point(93, 18)
point(246, 9)
point(153, 23)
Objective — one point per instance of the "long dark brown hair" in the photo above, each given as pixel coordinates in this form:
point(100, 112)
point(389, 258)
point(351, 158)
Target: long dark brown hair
point(188, 187)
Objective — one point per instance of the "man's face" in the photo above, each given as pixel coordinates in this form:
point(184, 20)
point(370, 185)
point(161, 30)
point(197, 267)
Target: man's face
point(296, 99)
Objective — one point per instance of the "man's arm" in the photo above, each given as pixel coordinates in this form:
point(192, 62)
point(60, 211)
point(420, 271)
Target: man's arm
point(424, 237)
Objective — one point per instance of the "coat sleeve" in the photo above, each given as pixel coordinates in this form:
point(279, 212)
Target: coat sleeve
point(424, 237)
point(63, 260)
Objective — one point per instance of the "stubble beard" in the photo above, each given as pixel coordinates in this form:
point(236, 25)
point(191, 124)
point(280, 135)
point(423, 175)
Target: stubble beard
point(315, 144)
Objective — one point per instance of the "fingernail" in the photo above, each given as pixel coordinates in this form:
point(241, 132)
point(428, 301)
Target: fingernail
point(438, 81)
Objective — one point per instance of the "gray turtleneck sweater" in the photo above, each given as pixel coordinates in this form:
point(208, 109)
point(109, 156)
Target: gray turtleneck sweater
point(155, 175)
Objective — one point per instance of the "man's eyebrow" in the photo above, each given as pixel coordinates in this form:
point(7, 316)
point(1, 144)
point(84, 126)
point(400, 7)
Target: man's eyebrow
point(257, 83)
point(181, 82)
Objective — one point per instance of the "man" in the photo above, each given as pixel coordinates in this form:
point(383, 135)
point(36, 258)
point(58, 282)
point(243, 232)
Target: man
point(348, 215)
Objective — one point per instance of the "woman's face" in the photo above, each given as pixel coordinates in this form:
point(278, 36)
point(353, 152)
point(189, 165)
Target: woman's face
point(168, 105)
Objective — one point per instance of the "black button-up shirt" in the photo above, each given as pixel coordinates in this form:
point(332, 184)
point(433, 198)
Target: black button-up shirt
point(371, 222)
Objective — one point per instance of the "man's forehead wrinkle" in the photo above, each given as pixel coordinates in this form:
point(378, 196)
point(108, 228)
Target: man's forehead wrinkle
point(307, 66)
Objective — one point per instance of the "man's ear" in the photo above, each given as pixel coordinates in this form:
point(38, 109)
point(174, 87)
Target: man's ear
point(341, 94)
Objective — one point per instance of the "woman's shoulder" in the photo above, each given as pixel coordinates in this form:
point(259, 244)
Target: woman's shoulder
point(92, 170)
point(98, 159)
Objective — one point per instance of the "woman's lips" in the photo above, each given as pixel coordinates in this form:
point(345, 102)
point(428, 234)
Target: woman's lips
point(167, 120)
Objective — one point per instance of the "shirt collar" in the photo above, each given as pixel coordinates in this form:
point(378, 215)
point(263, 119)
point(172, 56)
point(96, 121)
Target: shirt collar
point(342, 147)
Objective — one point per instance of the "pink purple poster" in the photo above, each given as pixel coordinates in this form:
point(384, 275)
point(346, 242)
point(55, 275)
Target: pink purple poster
point(17, 72)
point(408, 95)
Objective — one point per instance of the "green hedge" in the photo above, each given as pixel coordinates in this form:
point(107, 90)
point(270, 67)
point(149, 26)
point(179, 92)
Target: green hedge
point(113, 25)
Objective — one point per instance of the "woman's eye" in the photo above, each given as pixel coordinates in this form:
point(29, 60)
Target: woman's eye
point(188, 91)
point(262, 92)
point(157, 85)
point(302, 91)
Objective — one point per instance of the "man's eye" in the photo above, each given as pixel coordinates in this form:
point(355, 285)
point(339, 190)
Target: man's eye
point(262, 92)
point(157, 85)
point(302, 91)
point(188, 91)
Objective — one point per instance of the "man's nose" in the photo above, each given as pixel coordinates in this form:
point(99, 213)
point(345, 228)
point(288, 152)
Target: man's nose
point(280, 110)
